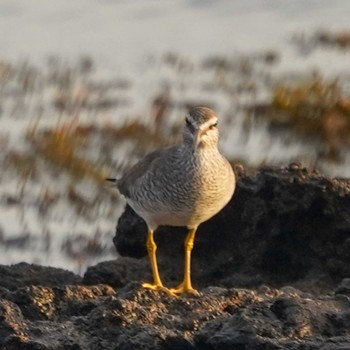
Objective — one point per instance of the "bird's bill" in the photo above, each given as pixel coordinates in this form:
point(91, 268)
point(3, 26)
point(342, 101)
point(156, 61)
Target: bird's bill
point(111, 179)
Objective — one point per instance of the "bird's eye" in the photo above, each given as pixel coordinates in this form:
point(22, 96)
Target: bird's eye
point(212, 126)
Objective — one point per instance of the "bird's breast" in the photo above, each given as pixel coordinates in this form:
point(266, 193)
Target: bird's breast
point(186, 194)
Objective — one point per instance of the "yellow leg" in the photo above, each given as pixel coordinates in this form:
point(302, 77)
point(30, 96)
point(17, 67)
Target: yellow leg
point(186, 285)
point(152, 248)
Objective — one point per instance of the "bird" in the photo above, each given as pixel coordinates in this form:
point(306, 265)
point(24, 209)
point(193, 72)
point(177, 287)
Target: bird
point(182, 185)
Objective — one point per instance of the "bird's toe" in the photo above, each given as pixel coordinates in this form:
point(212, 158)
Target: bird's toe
point(159, 287)
point(183, 289)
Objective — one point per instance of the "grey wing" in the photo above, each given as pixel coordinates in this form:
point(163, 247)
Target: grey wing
point(138, 170)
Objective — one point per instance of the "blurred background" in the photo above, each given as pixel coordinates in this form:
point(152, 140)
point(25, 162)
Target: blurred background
point(87, 87)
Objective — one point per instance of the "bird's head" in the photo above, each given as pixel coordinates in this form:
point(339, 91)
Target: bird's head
point(201, 128)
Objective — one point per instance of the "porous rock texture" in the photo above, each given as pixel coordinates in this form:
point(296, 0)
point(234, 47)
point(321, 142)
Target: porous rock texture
point(272, 269)
point(283, 225)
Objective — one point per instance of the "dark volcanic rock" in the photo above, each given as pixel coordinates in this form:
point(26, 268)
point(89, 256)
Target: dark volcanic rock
point(272, 267)
point(282, 226)
point(117, 273)
point(23, 274)
point(101, 317)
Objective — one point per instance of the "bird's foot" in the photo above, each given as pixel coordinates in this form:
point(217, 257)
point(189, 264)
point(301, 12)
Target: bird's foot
point(184, 288)
point(159, 287)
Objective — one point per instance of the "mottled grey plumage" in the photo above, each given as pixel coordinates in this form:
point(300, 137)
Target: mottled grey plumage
point(183, 185)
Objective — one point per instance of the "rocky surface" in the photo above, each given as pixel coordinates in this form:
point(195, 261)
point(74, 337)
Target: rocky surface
point(283, 226)
point(272, 268)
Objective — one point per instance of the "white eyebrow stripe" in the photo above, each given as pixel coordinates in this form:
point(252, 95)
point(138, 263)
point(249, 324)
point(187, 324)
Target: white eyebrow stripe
point(209, 123)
